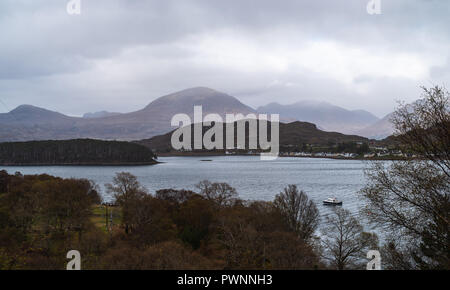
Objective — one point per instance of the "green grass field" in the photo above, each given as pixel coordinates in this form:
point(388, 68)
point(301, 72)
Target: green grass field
point(99, 218)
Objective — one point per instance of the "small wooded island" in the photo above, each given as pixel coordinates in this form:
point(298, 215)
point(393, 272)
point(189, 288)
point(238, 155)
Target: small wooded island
point(75, 152)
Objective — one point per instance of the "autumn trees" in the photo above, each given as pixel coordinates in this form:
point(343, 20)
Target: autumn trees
point(213, 227)
point(41, 217)
point(127, 193)
point(255, 235)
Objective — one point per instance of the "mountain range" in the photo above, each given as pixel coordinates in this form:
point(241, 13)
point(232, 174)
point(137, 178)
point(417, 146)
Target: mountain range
point(326, 116)
point(28, 122)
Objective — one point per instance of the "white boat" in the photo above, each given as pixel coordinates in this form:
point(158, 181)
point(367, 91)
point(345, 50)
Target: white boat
point(332, 201)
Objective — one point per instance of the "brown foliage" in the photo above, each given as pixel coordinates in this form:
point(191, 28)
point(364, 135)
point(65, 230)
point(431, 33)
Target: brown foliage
point(43, 217)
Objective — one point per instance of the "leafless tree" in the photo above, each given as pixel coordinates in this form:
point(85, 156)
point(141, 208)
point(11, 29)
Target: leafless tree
point(300, 212)
point(221, 193)
point(424, 127)
point(412, 197)
point(344, 242)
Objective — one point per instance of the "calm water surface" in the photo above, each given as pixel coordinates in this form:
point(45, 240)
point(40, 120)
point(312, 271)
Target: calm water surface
point(254, 179)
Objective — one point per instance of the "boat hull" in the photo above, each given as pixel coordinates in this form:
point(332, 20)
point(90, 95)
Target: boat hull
point(332, 203)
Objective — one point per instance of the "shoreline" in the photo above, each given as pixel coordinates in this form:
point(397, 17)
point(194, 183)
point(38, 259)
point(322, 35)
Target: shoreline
point(199, 154)
point(81, 164)
point(186, 155)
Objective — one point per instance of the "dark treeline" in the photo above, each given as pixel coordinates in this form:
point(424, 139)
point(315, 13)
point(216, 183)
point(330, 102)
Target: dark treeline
point(358, 148)
point(43, 217)
point(74, 152)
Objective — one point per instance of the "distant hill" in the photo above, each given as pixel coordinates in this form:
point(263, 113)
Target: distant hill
point(291, 134)
point(28, 122)
point(75, 152)
point(32, 123)
point(379, 130)
point(326, 116)
point(31, 115)
point(155, 118)
point(100, 114)
point(384, 127)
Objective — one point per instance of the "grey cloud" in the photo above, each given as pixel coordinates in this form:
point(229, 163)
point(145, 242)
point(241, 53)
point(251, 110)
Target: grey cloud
point(441, 72)
point(119, 50)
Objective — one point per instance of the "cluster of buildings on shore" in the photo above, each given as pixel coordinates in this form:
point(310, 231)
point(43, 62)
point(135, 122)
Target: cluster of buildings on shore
point(376, 153)
point(319, 154)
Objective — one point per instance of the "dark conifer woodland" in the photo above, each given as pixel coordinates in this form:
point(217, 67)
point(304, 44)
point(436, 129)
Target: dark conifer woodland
point(75, 152)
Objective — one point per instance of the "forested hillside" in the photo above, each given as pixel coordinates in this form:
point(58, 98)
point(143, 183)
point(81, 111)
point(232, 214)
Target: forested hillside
point(295, 133)
point(75, 152)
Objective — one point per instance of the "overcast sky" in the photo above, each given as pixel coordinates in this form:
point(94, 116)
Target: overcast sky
point(119, 55)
